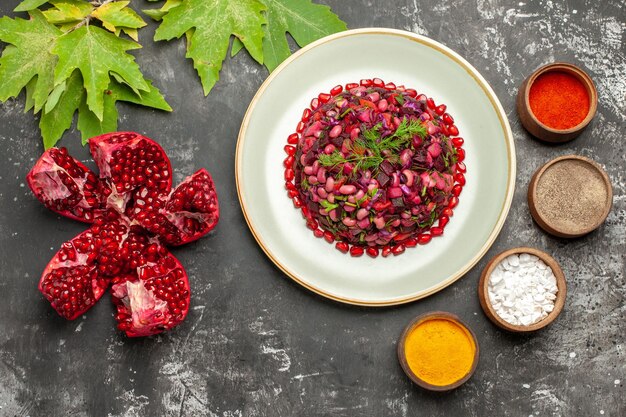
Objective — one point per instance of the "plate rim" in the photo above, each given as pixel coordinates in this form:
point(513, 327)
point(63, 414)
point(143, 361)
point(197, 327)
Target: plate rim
point(493, 99)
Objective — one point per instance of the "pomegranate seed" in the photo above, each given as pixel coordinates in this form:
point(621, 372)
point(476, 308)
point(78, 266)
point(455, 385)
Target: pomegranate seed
point(456, 190)
point(457, 142)
point(315, 104)
point(460, 155)
point(293, 193)
point(329, 236)
point(336, 90)
point(377, 82)
point(441, 109)
point(410, 243)
point(430, 103)
point(296, 202)
point(397, 250)
point(460, 178)
point(460, 167)
point(386, 251)
point(318, 233)
point(293, 139)
point(390, 86)
point(366, 83)
point(423, 238)
point(453, 130)
point(342, 247)
point(289, 186)
point(289, 161)
point(351, 86)
point(454, 201)
point(300, 127)
point(447, 119)
point(305, 212)
point(306, 115)
point(324, 98)
point(312, 224)
point(372, 252)
point(436, 231)
point(411, 92)
point(447, 212)
point(356, 251)
point(443, 221)
point(290, 150)
point(289, 174)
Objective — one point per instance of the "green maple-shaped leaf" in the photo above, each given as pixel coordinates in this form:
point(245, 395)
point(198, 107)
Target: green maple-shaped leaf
point(28, 55)
point(209, 25)
point(73, 99)
point(28, 5)
point(95, 53)
point(67, 11)
point(90, 126)
point(302, 19)
point(117, 14)
point(55, 122)
point(157, 14)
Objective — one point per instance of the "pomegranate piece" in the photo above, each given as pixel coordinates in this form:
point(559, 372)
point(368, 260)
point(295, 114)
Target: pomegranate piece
point(135, 213)
point(72, 281)
point(64, 185)
point(153, 300)
point(131, 160)
point(188, 213)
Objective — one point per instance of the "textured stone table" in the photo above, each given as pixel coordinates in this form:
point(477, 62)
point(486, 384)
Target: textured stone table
point(257, 344)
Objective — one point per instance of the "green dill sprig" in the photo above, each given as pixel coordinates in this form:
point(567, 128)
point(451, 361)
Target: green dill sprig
point(369, 148)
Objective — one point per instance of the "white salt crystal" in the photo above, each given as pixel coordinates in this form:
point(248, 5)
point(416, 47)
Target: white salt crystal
point(522, 289)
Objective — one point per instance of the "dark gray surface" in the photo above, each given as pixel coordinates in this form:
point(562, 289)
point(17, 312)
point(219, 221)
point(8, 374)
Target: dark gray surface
point(256, 344)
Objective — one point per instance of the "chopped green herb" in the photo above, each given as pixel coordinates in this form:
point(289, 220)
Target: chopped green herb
point(368, 149)
point(328, 206)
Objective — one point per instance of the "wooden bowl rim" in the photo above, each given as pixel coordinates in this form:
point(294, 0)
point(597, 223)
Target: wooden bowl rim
point(582, 76)
point(558, 303)
point(532, 197)
point(405, 365)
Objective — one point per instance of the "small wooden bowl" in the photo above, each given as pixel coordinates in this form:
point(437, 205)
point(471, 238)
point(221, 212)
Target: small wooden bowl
point(405, 365)
point(483, 295)
point(540, 130)
point(561, 231)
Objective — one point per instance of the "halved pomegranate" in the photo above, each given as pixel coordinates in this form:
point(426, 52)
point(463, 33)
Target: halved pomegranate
point(135, 212)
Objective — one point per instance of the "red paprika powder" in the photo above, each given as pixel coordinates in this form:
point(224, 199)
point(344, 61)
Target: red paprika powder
point(559, 100)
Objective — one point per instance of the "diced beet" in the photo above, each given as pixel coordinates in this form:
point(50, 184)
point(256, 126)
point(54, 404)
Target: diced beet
point(382, 178)
point(386, 167)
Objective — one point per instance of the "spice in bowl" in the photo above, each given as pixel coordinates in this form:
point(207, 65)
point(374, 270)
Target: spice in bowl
point(438, 352)
point(559, 100)
point(522, 289)
point(570, 196)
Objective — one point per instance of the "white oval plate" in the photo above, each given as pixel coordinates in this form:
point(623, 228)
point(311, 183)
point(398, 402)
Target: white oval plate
point(403, 58)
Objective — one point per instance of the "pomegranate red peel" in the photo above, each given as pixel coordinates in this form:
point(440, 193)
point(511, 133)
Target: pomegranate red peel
point(64, 185)
point(150, 287)
point(189, 212)
point(71, 281)
point(153, 301)
point(131, 160)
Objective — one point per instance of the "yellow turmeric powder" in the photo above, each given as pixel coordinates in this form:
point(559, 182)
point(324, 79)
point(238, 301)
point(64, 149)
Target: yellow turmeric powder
point(439, 351)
